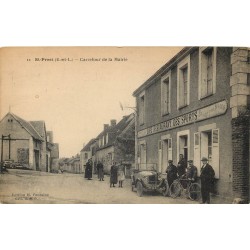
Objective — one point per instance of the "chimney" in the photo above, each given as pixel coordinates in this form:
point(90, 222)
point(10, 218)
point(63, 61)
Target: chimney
point(112, 123)
point(50, 136)
point(105, 126)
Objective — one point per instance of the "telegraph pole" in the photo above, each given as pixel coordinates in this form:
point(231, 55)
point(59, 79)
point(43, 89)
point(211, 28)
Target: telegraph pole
point(2, 139)
point(1, 162)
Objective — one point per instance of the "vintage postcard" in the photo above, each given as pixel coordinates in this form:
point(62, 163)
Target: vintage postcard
point(124, 125)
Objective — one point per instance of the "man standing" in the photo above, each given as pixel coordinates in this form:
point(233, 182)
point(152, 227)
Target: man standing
point(207, 178)
point(100, 171)
point(191, 171)
point(182, 166)
point(171, 172)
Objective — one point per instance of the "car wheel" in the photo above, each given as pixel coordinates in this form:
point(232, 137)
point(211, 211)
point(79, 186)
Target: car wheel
point(165, 190)
point(139, 189)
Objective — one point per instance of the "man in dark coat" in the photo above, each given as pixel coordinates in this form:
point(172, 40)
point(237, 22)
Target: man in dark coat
point(171, 172)
point(207, 179)
point(191, 174)
point(113, 175)
point(100, 171)
point(191, 171)
point(182, 166)
point(88, 170)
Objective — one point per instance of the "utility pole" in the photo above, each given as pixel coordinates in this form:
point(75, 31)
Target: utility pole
point(1, 154)
point(3, 138)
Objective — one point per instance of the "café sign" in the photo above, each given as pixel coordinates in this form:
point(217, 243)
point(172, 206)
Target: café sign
point(210, 111)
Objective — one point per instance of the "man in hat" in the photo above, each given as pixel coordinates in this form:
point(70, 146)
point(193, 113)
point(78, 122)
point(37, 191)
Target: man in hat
point(171, 172)
point(191, 174)
point(207, 179)
point(100, 171)
point(191, 171)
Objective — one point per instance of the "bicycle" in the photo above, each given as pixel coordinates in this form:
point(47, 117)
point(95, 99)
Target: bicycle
point(191, 191)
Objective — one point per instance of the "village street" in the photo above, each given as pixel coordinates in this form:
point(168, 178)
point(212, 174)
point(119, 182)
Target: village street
point(26, 187)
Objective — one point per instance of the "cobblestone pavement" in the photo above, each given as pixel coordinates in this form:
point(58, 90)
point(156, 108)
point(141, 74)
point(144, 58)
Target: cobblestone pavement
point(23, 186)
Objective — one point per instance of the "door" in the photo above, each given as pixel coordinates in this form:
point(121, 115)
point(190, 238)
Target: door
point(37, 159)
point(166, 154)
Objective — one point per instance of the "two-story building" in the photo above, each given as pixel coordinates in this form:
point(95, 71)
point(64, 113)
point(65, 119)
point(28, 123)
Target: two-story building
point(197, 105)
point(116, 143)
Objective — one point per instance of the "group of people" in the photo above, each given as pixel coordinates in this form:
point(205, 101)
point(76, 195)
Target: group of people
point(189, 173)
point(116, 173)
point(185, 171)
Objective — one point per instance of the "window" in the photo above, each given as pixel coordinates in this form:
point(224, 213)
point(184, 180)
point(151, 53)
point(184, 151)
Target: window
point(183, 144)
point(100, 142)
point(207, 71)
point(183, 82)
point(142, 108)
point(142, 153)
point(107, 138)
point(86, 156)
point(165, 95)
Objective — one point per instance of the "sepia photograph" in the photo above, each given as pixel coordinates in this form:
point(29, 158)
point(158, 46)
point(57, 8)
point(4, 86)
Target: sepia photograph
point(124, 125)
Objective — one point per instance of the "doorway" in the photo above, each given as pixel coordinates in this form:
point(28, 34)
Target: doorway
point(37, 159)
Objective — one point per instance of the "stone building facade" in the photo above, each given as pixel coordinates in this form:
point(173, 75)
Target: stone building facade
point(28, 142)
point(197, 105)
point(116, 143)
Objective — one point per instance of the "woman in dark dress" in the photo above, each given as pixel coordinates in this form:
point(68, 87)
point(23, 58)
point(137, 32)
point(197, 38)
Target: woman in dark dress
point(88, 170)
point(113, 175)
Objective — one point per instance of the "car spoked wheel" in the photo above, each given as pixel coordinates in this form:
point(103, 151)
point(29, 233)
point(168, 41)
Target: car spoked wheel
point(194, 192)
point(139, 189)
point(175, 189)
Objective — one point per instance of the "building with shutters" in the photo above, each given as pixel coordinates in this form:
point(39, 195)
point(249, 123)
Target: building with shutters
point(197, 105)
point(116, 143)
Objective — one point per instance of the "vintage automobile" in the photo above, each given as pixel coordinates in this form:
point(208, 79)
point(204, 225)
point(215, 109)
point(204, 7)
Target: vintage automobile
point(149, 180)
point(8, 163)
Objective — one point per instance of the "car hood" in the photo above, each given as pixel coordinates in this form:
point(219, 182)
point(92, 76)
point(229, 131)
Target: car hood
point(147, 173)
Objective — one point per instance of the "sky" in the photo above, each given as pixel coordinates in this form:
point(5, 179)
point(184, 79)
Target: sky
point(75, 97)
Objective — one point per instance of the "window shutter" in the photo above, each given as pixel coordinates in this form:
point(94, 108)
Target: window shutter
point(145, 152)
point(204, 74)
point(160, 156)
point(138, 150)
point(170, 151)
point(159, 145)
point(215, 152)
point(197, 152)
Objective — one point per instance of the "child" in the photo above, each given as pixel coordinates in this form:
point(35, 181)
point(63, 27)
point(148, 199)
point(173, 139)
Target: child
point(121, 175)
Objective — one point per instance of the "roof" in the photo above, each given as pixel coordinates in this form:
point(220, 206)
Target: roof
point(87, 146)
point(28, 126)
point(39, 126)
point(116, 130)
point(72, 160)
point(159, 73)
